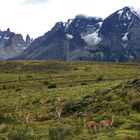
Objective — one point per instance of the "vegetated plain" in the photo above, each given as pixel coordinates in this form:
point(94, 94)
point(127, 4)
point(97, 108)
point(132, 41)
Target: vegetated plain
point(94, 90)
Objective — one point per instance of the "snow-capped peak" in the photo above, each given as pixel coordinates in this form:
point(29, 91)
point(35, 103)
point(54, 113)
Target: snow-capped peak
point(136, 11)
point(127, 12)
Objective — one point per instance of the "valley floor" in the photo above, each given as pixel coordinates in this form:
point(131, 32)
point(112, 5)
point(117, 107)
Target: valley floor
point(91, 90)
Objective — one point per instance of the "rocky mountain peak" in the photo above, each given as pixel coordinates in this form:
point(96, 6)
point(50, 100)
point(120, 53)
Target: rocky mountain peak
point(8, 30)
point(58, 26)
point(11, 44)
point(116, 38)
point(82, 24)
point(28, 38)
point(120, 22)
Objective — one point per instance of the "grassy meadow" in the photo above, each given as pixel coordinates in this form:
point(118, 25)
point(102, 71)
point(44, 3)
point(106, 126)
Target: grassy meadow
point(93, 90)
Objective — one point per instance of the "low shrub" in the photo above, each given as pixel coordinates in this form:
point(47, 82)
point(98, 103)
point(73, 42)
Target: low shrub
point(29, 76)
point(61, 132)
point(99, 78)
point(83, 84)
point(46, 82)
point(20, 134)
point(52, 86)
point(136, 105)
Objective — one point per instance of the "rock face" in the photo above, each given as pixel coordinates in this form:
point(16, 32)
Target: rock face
point(65, 41)
point(11, 44)
point(116, 38)
point(120, 36)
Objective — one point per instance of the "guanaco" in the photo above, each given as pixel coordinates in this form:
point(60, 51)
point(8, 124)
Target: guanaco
point(58, 111)
point(43, 101)
point(106, 123)
point(57, 101)
point(90, 124)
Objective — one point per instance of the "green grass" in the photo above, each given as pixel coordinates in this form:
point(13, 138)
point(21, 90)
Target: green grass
point(96, 88)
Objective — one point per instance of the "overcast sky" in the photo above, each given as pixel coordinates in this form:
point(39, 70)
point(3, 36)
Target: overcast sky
point(36, 17)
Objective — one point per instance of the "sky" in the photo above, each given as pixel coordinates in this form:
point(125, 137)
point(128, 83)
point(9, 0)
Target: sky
point(35, 17)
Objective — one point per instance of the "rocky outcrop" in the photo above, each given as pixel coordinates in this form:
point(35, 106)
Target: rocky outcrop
point(11, 44)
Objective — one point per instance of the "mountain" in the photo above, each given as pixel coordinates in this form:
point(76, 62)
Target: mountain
point(116, 38)
point(12, 44)
point(65, 41)
point(120, 36)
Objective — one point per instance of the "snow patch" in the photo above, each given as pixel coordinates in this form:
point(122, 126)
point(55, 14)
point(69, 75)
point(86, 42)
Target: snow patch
point(92, 39)
point(69, 36)
point(100, 23)
point(128, 15)
point(68, 23)
point(125, 38)
point(120, 12)
point(135, 11)
point(90, 26)
point(19, 45)
point(6, 37)
point(131, 56)
point(24, 48)
point(124, 45)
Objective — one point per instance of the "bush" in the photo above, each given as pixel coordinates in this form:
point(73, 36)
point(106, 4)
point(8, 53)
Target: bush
point(71, 107)
point(4, 87)
point(46, 82)
point(99, 78)
point(29, 76)
point(83, 84)
point(20, 134)
point(118, 121)
point(52, 86)
point(60, 132)
point(136, 105)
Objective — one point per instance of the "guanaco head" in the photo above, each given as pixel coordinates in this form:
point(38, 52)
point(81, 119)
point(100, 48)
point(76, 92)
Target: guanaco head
point(57, 101)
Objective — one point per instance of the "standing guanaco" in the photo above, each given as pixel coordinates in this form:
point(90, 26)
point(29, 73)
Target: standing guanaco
point(90, 124)
point(106, 123)
point(58, 111)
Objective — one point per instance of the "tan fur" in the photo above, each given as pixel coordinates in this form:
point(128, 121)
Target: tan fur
point(57, 101)
point(90, 124)
point(43, 101)
point(106, 123)
point(58, 111)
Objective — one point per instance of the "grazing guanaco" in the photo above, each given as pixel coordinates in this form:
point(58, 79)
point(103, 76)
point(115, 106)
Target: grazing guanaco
point(106, 123)
point(90, 124)
point(43, 101)
point(58, 111)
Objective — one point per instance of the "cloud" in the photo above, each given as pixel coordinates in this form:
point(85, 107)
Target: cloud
point(34, 1)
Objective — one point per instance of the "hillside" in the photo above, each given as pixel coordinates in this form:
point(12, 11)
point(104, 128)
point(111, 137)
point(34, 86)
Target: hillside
point(91, 90)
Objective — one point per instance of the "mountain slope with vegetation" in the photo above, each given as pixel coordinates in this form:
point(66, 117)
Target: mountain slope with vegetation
point(90, 90)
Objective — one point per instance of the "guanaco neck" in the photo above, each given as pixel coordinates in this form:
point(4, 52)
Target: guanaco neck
point(112, 120)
